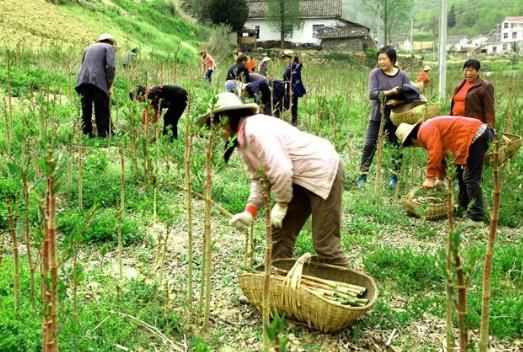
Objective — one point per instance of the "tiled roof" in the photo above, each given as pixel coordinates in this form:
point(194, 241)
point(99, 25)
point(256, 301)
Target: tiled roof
point(514, 19)
point(308, 8)
point(342, 32)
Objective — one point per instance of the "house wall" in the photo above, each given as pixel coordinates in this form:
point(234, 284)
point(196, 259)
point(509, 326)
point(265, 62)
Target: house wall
point(300, 34)
point(346, 44)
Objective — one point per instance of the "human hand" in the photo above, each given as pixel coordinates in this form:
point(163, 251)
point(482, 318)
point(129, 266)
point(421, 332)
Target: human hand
point(429, 182)
point(278, 212)
point(442, 184)
point(392, 102)
point(393, 91)
point(241, 220)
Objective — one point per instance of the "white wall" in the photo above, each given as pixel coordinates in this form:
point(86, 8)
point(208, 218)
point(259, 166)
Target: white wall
point(300, 34)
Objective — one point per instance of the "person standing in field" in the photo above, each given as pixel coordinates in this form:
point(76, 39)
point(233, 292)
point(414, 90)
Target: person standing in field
point(423, 78)
point(384, 81)
point(305, 173)
point(292, 77)
point(208, 65)
point(94, 84)
point(130, 58)
point(474, 96)
point(468, 140)
point(170, 97)
point(263, 68)
point(251, 64)
point(237, 75)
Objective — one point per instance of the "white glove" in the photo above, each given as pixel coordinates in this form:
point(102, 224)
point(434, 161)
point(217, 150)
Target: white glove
point(241, 220)
point(278, 212)
point(442, 184)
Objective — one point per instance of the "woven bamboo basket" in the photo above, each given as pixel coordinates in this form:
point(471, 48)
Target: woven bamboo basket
point(413, 112)
point(302, 305)
point(428, 207)
point(509, 145)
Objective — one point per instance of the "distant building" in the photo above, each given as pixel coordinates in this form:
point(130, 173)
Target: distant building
point(348, 37)
point(512, 34)
point(458, 43)
point(315, 17)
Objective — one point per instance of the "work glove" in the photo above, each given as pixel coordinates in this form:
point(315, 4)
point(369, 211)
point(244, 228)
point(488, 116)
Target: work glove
point(441, 184)
point(278, 212)
point(241, 220)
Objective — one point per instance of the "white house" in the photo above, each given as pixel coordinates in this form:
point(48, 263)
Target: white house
point(458, 43)
point(512, 34)
point(315, 16)
point(478, 40)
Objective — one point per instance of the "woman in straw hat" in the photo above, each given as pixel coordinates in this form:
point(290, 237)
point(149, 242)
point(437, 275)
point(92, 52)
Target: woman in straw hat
point(304, 171)
point(263, 68)
point(468, 140)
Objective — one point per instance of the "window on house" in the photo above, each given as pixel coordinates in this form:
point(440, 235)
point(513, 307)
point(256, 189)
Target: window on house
point(317, 28)
point(504, 47)
point(257, 28)
point(505, 25)
point(512, 25)
point(505, 35)
point(494, 49)
point(514, 35)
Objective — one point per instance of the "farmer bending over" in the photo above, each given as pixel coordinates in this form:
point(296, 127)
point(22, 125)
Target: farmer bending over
point(305, 174)
point(172, 98)
point(467, 139)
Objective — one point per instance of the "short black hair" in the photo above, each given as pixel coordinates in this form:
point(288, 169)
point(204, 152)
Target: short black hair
point(475, 64)
point(241, 58)
point(136, 92)
point(411, 137)
point(390, 52)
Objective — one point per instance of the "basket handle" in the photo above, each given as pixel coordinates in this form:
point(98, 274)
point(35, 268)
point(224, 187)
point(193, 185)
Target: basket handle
point(413, 191)
point(292, 282)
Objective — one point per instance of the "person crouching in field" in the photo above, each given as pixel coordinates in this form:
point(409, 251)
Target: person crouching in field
point(305, 174)
point(468, 140)
point(172, 98)
point(269, 94)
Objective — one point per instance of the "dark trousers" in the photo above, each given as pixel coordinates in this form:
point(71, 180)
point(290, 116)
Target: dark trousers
point(469, 178)
point(371, 142)
point(326, 218)
point(172, 116)
point(90, 94)
point(208, 75)
point(294, 110)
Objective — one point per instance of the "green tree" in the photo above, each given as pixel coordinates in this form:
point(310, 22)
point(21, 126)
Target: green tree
point(451, 18)
point(233, 13)
point(393, 15)
point(283, 15)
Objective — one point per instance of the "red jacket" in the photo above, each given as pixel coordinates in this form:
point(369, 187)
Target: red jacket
point(444, 134)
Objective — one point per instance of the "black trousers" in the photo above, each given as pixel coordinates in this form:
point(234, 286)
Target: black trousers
point(174, 111)
point(371, 142)
point(92, 95)
point(294, 110)
point(469, 177)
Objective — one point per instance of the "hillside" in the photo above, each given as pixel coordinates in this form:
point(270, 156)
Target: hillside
point(150, 25)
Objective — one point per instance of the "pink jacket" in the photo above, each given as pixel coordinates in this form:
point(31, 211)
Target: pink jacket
point(288, 156)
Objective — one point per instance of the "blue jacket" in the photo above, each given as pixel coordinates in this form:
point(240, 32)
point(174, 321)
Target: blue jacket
point(293, 72)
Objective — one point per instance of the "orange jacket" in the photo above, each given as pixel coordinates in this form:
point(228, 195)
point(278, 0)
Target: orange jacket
point(444, 134)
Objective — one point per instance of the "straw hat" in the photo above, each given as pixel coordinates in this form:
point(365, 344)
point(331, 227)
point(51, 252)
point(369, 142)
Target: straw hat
point(265, 59)
point(287, 53)
point(227, 102)
point(106, 36)
point(404, 130)
point(426, 68)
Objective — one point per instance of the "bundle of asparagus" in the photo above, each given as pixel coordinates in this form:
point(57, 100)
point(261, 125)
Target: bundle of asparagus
point(332, 291)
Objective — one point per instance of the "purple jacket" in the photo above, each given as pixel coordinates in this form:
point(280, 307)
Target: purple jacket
point(288, 156)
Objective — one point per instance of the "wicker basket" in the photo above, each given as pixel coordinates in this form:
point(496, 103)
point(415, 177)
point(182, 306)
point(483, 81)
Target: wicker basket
point(302, 305)
point(509, 145)
point(413, 112)
point(419, 207)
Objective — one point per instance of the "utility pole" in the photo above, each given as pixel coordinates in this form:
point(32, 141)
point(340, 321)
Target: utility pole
point(411, 35)
point(443, 51)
